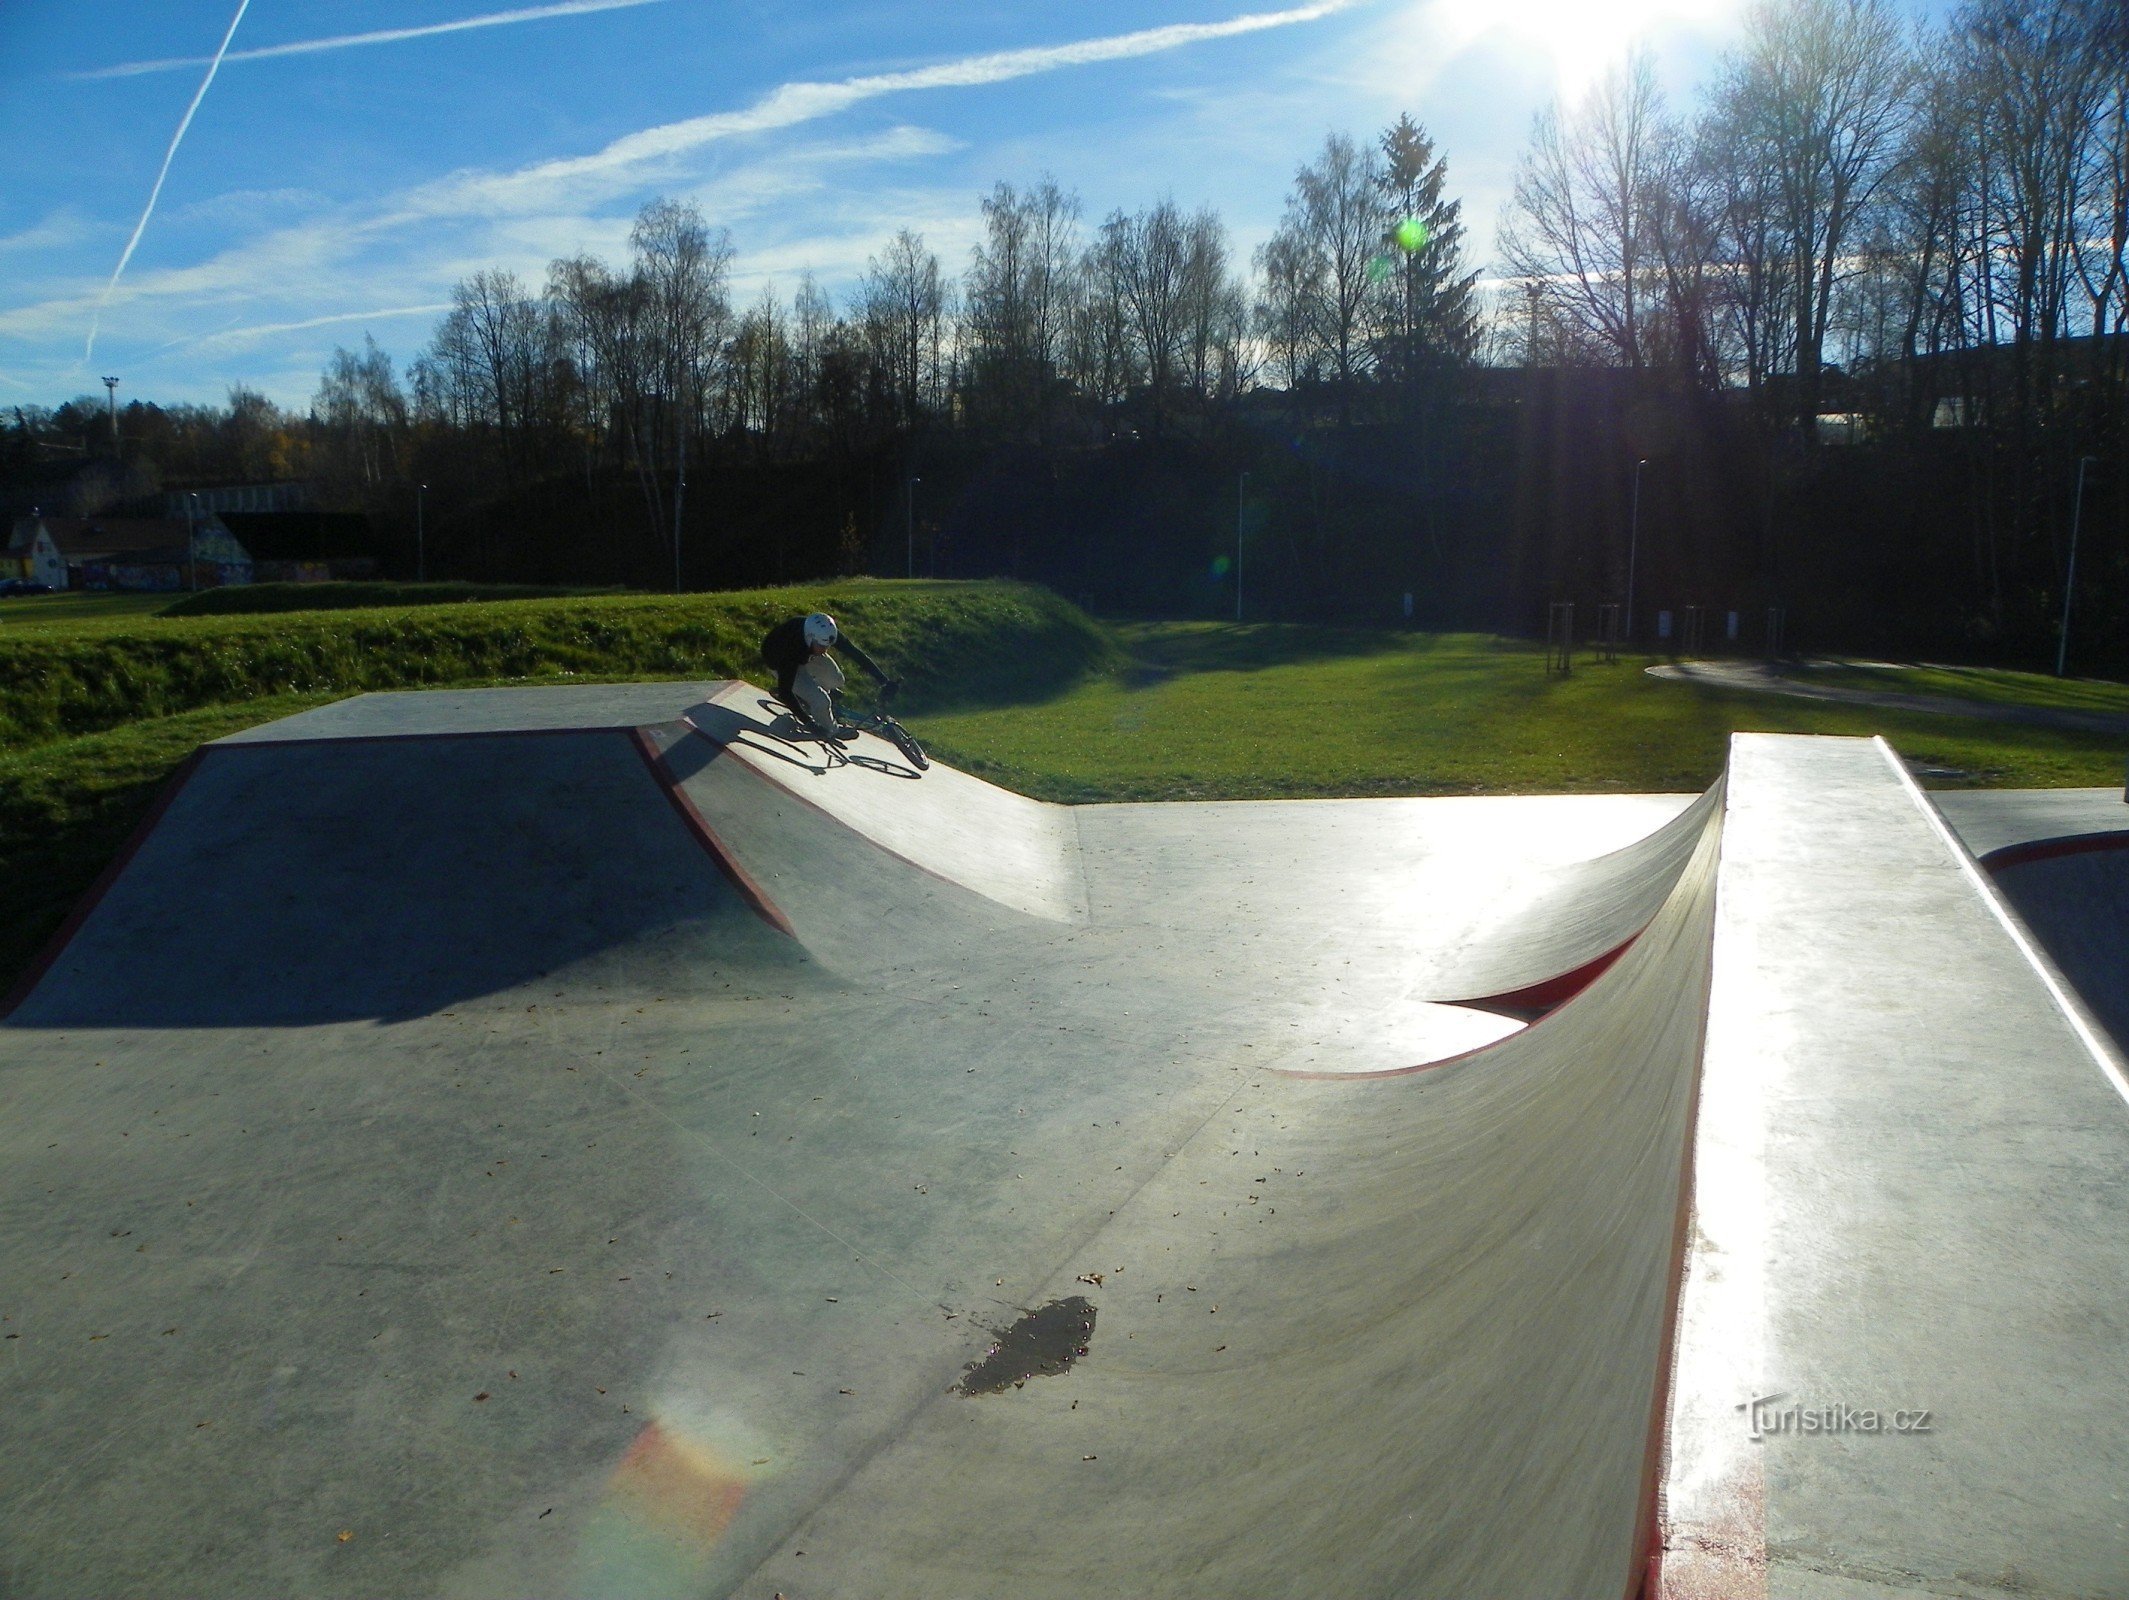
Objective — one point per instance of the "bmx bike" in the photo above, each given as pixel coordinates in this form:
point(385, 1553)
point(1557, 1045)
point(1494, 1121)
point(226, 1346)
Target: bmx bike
point(874, 721)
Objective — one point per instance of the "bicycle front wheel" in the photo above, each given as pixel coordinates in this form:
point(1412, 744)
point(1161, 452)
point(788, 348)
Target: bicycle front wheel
point(905, 742)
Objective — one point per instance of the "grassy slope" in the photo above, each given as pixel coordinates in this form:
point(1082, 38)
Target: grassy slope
point(1215, 711)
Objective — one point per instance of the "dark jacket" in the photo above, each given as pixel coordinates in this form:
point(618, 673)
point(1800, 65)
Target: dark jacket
point(784, 649)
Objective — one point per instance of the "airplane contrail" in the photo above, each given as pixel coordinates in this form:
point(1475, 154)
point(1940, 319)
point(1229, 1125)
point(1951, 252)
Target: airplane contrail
point(303, 47)
point(88, 353)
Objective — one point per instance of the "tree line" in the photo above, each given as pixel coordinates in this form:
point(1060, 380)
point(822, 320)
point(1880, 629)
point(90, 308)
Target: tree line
point(1857, 314)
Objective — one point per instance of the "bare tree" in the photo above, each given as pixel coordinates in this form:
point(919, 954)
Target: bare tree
point(1335, 223)
point(906, 301)
point(1578, 230)
point(1018, 297)
point(1817, 101)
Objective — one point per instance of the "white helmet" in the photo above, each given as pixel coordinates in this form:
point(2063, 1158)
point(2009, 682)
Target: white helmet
point(820, 630)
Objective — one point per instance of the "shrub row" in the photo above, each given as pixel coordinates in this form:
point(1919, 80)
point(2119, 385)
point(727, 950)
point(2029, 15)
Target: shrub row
point(252, 598)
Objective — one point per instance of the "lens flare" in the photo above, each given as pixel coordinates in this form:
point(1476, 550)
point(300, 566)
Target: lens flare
point(1411, 236)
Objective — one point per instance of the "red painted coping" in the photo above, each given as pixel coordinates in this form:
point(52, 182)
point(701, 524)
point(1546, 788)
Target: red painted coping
point(697, 824)
point(1547, 994)
point(58, 942)
point(2075, 844)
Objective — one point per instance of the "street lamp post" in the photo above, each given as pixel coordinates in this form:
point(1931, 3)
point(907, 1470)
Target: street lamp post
point(111, 387)
point(909, 527)
point(421, 535)
point(1241, 489)
point(2069, 588)
point(1633, 548)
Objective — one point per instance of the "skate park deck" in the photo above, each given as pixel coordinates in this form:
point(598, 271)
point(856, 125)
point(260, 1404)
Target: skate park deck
point(568, 1146)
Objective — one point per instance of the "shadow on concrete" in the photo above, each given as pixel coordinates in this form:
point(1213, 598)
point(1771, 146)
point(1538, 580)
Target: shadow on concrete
point(388, 879)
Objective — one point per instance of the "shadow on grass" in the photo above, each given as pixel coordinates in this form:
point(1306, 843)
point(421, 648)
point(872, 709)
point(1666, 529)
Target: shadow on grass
point(1168, 649)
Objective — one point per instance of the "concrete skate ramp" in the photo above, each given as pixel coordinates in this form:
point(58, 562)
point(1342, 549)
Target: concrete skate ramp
point(1388, 1338)
point(1468, 888)
point(1019, 852)
point(2073, 892)
point(311, 881)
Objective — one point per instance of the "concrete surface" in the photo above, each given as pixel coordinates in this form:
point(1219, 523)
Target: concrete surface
point(485, 1144)
point(1910, 1193)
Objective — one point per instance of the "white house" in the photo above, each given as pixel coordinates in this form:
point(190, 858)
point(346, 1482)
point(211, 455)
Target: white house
point(32, 553)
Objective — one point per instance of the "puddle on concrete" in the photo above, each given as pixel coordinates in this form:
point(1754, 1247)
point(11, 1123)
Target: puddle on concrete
point(1041, 1344)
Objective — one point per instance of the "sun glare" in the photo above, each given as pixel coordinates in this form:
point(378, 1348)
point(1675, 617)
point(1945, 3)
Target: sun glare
point(1582, 38)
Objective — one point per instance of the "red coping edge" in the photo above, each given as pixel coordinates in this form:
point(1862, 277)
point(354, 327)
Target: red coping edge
point(56, 945)
point(699, 825)
point(1554, 993)
point(1548, 993)
point(1650, 1530)
point(2075, 844)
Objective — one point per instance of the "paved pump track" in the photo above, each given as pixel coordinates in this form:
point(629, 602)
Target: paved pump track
point(574, 1142)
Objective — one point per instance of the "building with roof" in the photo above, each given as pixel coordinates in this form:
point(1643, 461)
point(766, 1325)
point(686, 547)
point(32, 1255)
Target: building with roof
point(135, 553)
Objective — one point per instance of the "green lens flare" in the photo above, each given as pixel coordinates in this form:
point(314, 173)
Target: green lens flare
point(1411, 236)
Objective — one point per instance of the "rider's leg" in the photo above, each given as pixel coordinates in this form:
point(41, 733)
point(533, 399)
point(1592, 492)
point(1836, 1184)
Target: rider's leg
point(817, 680)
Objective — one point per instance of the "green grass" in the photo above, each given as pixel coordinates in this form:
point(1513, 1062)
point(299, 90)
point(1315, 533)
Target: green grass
point(1990, 685)
point(256, 598)
point(73, 613)
point(1215, 711)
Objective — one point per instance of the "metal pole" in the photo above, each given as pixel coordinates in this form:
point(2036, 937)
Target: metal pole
point(679, 499)
point(192, 554)
point(2069, 588)
point(111, 386)
point(421, 539)
point(1633, 549)
point(909, 527)
point(1241, 489)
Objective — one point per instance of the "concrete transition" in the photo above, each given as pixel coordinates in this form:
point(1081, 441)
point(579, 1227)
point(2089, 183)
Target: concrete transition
point(576, 1142)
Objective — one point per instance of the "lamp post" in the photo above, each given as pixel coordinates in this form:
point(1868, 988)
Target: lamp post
point(1633, 548)
point(2069, 588)
point(421, 540)
point(192, 551)
point(111, 387)
point(909, 527)
point(1241, 489)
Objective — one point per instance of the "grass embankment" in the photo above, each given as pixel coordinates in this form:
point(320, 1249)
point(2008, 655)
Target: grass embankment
point(252, 599)
point(1004, 640)
point(94, 718)
point(1216, 711)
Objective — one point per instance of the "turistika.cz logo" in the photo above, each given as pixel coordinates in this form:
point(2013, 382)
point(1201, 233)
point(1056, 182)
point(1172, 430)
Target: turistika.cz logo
point(1766, 1415)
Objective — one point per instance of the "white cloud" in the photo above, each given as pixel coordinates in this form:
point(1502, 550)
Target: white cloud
point(494, 19)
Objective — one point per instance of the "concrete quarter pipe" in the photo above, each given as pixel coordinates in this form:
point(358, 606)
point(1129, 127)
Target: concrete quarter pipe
point(565, 1142)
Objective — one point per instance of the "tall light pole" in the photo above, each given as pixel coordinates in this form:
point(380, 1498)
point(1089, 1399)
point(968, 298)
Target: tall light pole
point(909, 527)
point(111, 388)
point(1633, 547)
point(421, 532)
point(192, 553)
point(2069, 588)
point(1241, 489)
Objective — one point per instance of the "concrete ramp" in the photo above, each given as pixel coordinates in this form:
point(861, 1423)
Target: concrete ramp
point(1022, 853)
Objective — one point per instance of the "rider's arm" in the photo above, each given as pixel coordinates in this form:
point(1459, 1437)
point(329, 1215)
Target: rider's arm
point(845, 642)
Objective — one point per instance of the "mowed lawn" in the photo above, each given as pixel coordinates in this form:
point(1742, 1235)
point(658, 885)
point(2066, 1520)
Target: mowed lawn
point(1226, 711)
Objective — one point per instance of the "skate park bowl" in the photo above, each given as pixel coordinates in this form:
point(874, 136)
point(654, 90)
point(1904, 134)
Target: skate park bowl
point(582, 1142)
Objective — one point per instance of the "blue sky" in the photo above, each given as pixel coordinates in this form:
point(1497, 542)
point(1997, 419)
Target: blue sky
point(330, 185)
